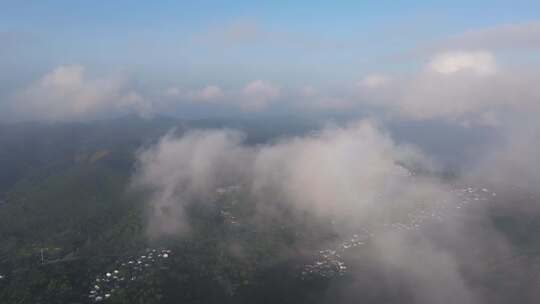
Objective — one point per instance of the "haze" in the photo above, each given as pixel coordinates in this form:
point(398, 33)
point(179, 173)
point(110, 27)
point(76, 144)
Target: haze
point(269, 152)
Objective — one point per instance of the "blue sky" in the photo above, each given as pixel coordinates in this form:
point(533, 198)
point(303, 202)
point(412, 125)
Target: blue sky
point(158, 34)
point(229, 43)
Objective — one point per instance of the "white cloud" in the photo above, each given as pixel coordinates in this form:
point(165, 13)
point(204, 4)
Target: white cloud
point(514, 160)
point(253, 96)
point(351, 175)
point(308, 91)
point(480, 62)
point(172, 92)
point(465, 87)
point(257, 94)
point(453, 84)
point(342, 172)
point(311, 98)
point(181, 171)
point(209, 92)
point(374, 80)
point(66, 93)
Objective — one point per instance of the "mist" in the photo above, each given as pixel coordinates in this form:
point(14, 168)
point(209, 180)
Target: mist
point(248, 152)
point(356, 177)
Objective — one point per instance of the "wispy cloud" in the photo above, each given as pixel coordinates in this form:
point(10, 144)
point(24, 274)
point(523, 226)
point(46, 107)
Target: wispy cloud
point(337, 172)
point(517, 36)
point(246, 32)
point(353, 176)
point(254, 96)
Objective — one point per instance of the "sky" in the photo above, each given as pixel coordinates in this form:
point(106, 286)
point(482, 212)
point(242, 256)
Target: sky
point(238, 56)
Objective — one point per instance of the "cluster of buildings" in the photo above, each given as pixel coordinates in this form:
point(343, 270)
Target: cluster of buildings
point(329, 262)
point(126, 272)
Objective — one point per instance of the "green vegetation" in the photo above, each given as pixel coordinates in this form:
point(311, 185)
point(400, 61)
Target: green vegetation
point(64, 195)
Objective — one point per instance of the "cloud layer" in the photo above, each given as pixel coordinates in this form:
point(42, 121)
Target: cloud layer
point(461, 86)
point(67, 93)
point(340, 172)
point(355, 176)
point(481, 63)
point(254, 96)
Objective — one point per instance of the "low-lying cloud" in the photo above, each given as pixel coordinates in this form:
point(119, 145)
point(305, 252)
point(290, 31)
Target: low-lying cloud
point(254, 96)
point(180, 171)
point(351, 173)
point(67, 93)
point(462, 86)
point(356, 176)
point(481, 63)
